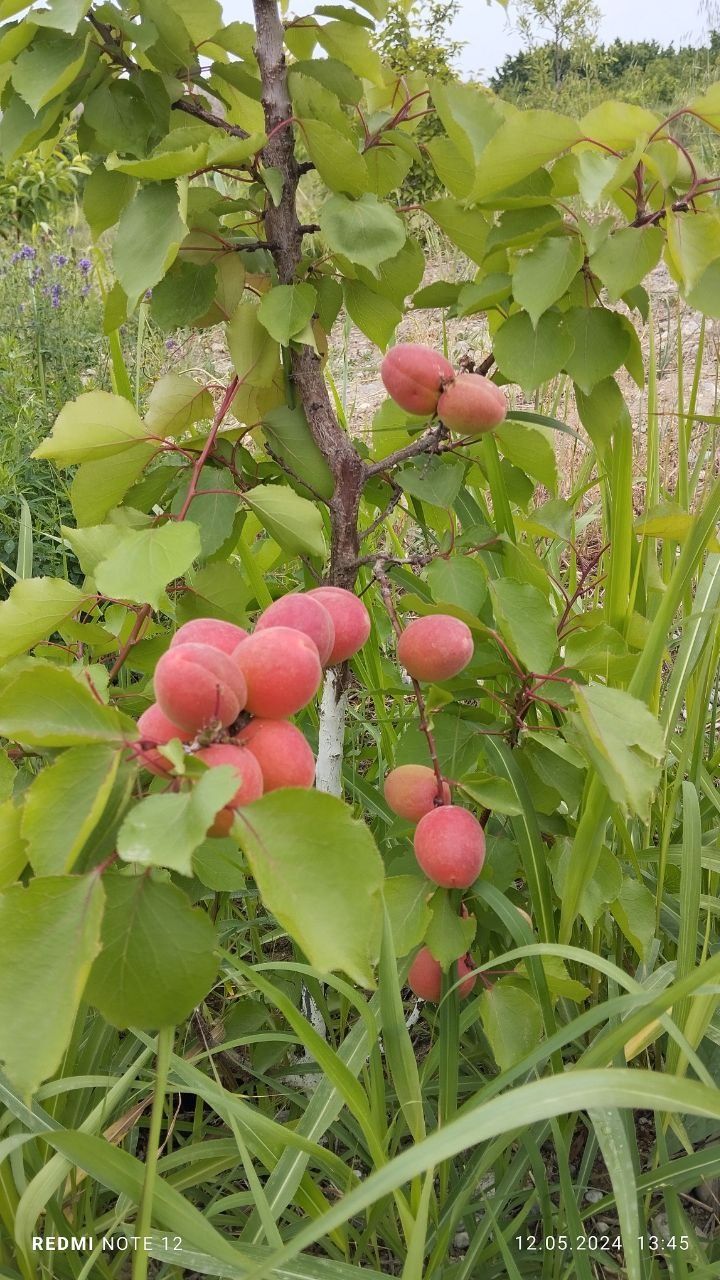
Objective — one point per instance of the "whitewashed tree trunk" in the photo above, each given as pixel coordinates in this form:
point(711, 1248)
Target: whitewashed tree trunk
point(333, 709)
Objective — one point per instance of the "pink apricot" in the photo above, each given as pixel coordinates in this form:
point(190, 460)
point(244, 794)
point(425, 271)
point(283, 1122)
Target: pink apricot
point(213, 631)
point(248, 772)
point(282, 671)
point(350, 619)
point(197, 686)
point(436, 647)
point(155, 728)
point(415, 376)
point(425, 976)
point(450, 846)
point(472, 404)
point(411, 791)
point(305, 614)
point(282, 751)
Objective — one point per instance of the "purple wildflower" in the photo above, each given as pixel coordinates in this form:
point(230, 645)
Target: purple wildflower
point(171, 345)
point(85, 291)
point(28, 253)
point(148, 295)
point(59, 259)
point(16, 257)
point(35, 275)
point(84, 265)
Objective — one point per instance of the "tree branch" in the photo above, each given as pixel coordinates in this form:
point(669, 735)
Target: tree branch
point(426, 444)
point(285, 232)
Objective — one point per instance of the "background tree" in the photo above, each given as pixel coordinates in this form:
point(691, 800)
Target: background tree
point(565, 28)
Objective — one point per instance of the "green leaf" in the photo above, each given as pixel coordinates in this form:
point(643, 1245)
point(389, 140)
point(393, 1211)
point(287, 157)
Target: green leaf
point(333, 75)
point(49, 707)
point(165, 831)
point(449, 934)
point(47, 67)
point(213, 513)
point(98, 487)
point(469, 117)
point(466, 228)
point(377, 316)
point(601, 345)
point(339, 164)
point(157, 960)
point(524, 142)
point(289, 436)
point(96, 425)
point(120, 118)
point(286, 310)
point(626, 258)
point(365, 230)
point(622, 740)
point(64, 805)
point(313, 861)
point(597, 175)
point(707, 106)
point(492, 793)
point(435, 480)
point(148, 237)
point(13, 854)
point(530, 450)
point(183, 295)
point(63, 15)
point(144, 561)
point(532, 355)
point(458, 580)
point(254, 353)
point(33, 610)
point(621, 125)
point(598, 892)
point(602, 412)
point(201, 18)
point(634, 910)
point(175, 403)
point(512, 1022)
point(545, 273)
point(295, 523)
point(105, 195)
point(350, 44)
point(49, 937)
point(406, 899)
point(694, 243)
point(526, 623)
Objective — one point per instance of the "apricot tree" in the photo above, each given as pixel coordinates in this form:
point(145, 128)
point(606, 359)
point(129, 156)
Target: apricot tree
point(213, 145)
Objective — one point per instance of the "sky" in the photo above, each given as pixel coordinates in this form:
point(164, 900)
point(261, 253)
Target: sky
point(489, 35)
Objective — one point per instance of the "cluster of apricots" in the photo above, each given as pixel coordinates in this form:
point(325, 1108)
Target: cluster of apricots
point(424, 383)
point(449, 841)
point(229, 694)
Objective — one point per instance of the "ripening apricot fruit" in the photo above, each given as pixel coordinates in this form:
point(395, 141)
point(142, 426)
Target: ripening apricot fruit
point(249, 775)
point(282, 751)
point(411, 791)
point(425, 976)
point(435, 648)
point(303, 614)
point(415, 376)
point(282, 671)
point(350, 619)
point(197, 686)
point(472, 404)
point(450, 846)
point(155, 728)
point(219, 635)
